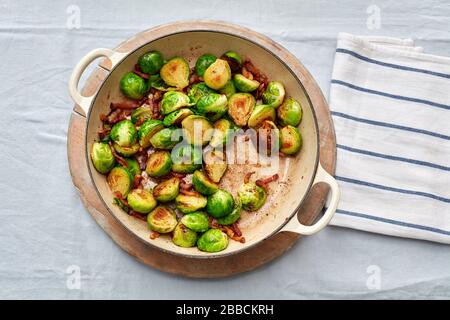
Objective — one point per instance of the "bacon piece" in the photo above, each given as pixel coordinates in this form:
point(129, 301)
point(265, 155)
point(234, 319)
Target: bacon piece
point(185, 186)
point(154, 235)
point(139, 122)
point(247, 176)
point(238, 239)
point(120, 197)
point(103, 133)
point(257, 74)
point(124, 105)
point(137, 181)
point(137, 215)
point(189, 192)
point(264, 183)
point(236, 229)
point(119, 159)
point(213, 223)
point(228, 231)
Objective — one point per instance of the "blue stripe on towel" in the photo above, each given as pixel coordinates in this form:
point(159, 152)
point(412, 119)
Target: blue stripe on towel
point(395, 222)
point(389, 95)
point(391, 65)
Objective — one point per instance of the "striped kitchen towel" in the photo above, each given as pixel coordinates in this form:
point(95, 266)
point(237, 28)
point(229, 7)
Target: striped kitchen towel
point(391, 110)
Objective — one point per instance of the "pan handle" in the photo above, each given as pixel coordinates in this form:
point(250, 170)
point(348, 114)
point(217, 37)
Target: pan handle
point(295, 226)
point(82, 101)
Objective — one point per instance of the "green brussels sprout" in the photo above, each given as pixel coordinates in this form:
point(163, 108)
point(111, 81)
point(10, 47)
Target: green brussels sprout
point(120, 180)
point(196, 221)
point(274, 94)
point(240, 107)
point(203, 184)
point(190, 203)
point(203, 62)
point(290, 113)
point(234, 215)
point(290, 139)
point(186, 158)
point(220, 204)
point(215, 164)
point(166, 138)
point(124, 133)
point(175, 73)
point(197, 130)
point(102, 157)
point(155, 81)
point(229, 89)
point(213, 240)
point(213, 106)
point(268, 137)
point(175, 118)
point(184, 237)
point(260, 114)
point(141, 200)
point(233, 59)
point(151, 62)
point(162, 219)
point(199, 90)
point(252, 196)
point(244, 84)
point(223, 132)
point(133, 86)
point(144, 111)
point(148, 130)
point(217, 75)
point(126, 151)
point(174, 100)
point(133, 167)
point(167, 190)
point(159, 164)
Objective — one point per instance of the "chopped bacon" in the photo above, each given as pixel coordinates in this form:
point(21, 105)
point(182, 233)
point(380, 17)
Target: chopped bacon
point(234, 65)
point(262, 87)
point(154, 235)
point(141, 74)
point(264, 183)
point(247, 176)
point(142, 159)
point(236, 229)
point(124, 105)
point(257, 74)
point(194, 79)
point(213, 223)
point(178, 175)
point(156, 110)
point(119, 159)
point(103, 133)
point(140, 121)
point(189, 192)
point(246, 73)
point(121, 198)
point(228, 231)
point(239, 239)
point(185, 186)
point(137, 215)
point(137, 181)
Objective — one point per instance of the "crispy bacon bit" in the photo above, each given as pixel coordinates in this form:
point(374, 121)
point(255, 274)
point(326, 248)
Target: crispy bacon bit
point(234, 65)
point(137, 215)
point(270, 179)
point(124, 105)
point(185, 186)
point(213, 223)
point(178, 175)
point(257, 74)
point(142, 160)
point(260, 90)
point(156, 111)
point(264, 183)
point(246, 73)
point(141, 74)
point(140, 121)
point(239, 239)
point(103, 133)
point(194, 79)
point(236, 229)
point(189, 193)
point(119, 159)
point(137, 181)
point(228, 231)
point(103, 117)
point(154, 235)
point(120, 197)
point(248, 176)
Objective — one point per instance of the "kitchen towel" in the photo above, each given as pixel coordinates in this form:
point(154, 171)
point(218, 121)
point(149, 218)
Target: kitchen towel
point(390, 104)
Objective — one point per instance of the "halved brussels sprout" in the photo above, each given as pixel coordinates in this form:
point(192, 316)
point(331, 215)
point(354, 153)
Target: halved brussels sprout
point(102, 157)
point(175, 118)
point(120, 180)
point(260, 114)
point(133, 167)
point(174, 100)
point(274, 94)
point(148, 130)
point(162, 219)
point(252, 196)
point(186, 158)
point(151, 62)
point(233, 59)
point(159, 164)
point(215, 164)
point(197, 130)
point(141, 201)
point(145, 112)
point(268, 138)
point(133, 86)
point(184, 237)
point(213, 240)
point(213, 106)
point(203, 184)
point(223, 132)
point(166, 138)
point(199, 90)
point(218, 74)
point(240, 107)
point(290, 139)
point(175, 73)
point(196, 221)
point(190, 203)
point(203, 62)
point(127, 151)
point(220, 204)
point(167, 190)
point(244, 84)
point(229, 89)
point(290, 113)
point(124, 133)
point(233, 216)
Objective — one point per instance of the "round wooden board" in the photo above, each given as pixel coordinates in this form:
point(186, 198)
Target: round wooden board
point(196, 268)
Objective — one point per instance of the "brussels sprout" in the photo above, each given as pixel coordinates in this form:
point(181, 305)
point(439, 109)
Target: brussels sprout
point(220, 204)
point(166, 138)
point(213, 106)
point(260, 114)
point(124, 133)
point(244, 84)
point(252, 196)
point(215, 164)
point(155, 81)
point(186, 158)
point(290, 113)
point(174, 100)
point(290, 139)
point(196, 221)
point(141, 200)
point(162, 219)
point(268, 137)
point(144, 111)
point(167, 190)
point(184, 237)
point(233, 59)
point(151, 62)
point(274, 94)
point(175, 73)
point(197, 130)
point(203, 62)
point(203, 184)
point(175, 118)
point(102, 157)
point(148, 130)
point(120, 180)
point(234, 215)
point(218, 74)
point(223, 132)
point(126, 151)
point(159, 164)
point(190, 203)
point(133, 86)
point(240, 107)
point(229, 89)
point(133, 167)
point(199, 90)
point(213, 240)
